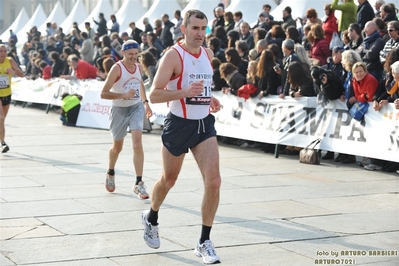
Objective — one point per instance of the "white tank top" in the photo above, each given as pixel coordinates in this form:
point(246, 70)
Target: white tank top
point(127, 81)
point(194, 68)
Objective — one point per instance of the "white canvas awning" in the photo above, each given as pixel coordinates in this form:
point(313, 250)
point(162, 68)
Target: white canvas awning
point(20, 21)
point(78, 14)
point(130, 11)
point(158, 8)
point(103, 6)
point(37, 19)
point(57, 15)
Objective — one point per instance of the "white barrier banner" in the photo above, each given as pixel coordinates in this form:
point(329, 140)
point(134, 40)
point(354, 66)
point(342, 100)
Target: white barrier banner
point(294, 122)
point(94, 111)
point(297, 122)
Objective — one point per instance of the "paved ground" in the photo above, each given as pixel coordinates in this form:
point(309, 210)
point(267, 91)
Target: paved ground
point(56, 211)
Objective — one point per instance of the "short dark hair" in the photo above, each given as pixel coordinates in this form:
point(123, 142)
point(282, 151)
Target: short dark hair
point(54, 55)
point(193, 12)
point(238, 14)
point(267, 6)
point(214, 41)
point(67, 50)
point(356, 28)
point(84, 34)
point(288, 9)
point(42, 64)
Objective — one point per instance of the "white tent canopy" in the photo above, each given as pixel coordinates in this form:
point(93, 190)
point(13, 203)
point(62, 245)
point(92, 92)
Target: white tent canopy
point(249, 9)
point(103, 6)
point(78, 14)
point(57, 15)
point(21, 20)
point(37, 19)
point(130, 11)
point(299, 8)
point(156, 11)
point(206, 6)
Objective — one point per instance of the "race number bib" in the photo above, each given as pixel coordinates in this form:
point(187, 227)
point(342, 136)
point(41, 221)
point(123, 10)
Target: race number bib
point(133, 84)
point(4, 81)
point(205, 97)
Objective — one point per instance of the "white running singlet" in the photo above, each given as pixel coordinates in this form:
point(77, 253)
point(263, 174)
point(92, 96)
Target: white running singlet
point(127, 81)
point(194, 68)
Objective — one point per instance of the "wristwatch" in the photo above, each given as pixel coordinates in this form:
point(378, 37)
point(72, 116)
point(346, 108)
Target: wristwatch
point(145, 101)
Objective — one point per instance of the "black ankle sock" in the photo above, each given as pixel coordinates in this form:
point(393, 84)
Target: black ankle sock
point(205, 232)
point(138, 179)
point(111, 172)
point(153, 217)
point(3, 143)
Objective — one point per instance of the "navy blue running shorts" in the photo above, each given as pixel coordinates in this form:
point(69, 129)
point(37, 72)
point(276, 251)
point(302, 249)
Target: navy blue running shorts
point(180, 134)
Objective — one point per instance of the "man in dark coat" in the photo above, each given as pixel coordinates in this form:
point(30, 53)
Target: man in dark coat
point(365, 13)
point(102, 25)
point(136, 33)
point(166, 34)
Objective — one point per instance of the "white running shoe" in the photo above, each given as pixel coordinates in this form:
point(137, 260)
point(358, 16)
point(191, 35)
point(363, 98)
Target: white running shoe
point(372, 167)
point(140, 190)
point(207, 251)
point(151, 236)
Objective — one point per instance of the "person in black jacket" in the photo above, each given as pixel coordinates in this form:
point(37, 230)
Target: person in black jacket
point(365, 13)
point(136, 33)
point(218, 52)
point(166, 34)
point(218, 83)
point(102, 25)
point(234, 79)
point(58, 64)
point(269, 80)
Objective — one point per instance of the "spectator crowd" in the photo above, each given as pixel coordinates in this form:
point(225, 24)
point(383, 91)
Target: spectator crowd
point(354, 59)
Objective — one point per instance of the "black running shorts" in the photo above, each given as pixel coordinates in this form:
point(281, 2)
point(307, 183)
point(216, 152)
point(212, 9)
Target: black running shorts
point(180, 134)
point(6, 100)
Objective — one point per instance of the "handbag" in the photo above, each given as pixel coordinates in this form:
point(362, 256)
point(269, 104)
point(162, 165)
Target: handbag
point(309, 154)
point(335, 41)
point(358, 110)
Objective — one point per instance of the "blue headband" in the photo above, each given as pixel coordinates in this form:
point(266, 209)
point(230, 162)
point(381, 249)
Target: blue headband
point(127, 46)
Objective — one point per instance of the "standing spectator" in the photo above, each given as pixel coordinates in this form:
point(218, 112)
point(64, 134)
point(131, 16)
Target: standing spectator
point(269, 80)
point(90, 31)
point(289, 56)
point(355, 36)
point(158, 27)
point(365, 13)
point(87, 49)
point(228, 21)
point(267, 8)
point(311, 15)
point(261, 23)
point(166, 37)
point(348, 15)
point(261, 45)
point(246, 36)
point(102, 25)
point(377, 6)
point(51, 45)
point(147, 25)
point(136, 33)
point(124, 37)
point(259, 34)
point(115, 25)
point(33, 33)
point(330, 23)
point(287, 19)
point(393, 42)
point(219, 18)
point(370, 50)
point(176, 28)
point(319, 50)
point(221, 35)
point(61, 33)
point(66, 52)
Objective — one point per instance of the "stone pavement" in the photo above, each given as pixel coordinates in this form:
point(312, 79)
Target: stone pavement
point(54, 209)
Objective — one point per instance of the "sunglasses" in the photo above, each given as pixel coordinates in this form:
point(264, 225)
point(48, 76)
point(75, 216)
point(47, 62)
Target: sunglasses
point(390, 30)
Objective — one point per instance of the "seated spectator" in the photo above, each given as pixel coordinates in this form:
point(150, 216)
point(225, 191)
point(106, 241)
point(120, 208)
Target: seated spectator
point(233, 57)
point(214, 44)
point(46, 70)
point(228, 21)
point(382, 29)
point(355, 36)
point(393, 42)
point(302, 55)
point(242, 49)
point(232, 37)
point(292, 33)
point(220, 33)
point(276, 35)
point(388, 13)
point(82, 69)
point(218, 83)
point(58, 65)
point(70, 109)
point(234, 79)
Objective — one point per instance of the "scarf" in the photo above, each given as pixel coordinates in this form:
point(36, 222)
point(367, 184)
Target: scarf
point(347, 84)
point(394, 88)
point(229, 76)
point(370, 39)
